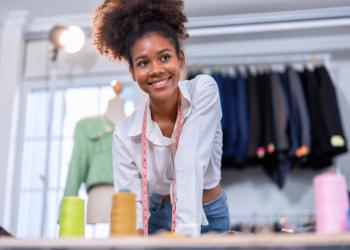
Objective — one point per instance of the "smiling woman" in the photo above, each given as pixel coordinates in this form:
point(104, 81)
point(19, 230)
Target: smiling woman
point(173, 142)
point(157, 71)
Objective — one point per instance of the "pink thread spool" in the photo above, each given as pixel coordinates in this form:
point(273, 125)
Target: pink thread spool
point(331, 203)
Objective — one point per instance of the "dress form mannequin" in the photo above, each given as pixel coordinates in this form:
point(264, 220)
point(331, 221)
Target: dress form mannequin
point(115, 107)
point(100, 196)
point(99, 204)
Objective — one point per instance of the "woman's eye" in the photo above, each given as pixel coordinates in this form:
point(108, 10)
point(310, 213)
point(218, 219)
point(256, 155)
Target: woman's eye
point(142, 63)
point(164, 57)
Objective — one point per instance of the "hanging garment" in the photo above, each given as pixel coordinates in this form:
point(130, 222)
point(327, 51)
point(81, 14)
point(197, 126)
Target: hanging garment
point(231, 113)
point(242, 119)
point(329, 105)
point(277, 164)
point(260, 150)
point(280, 111)
point(227, 155)
point(280, 124)
point(253, 119)
point(292, 126)
point(267, 112)
point(320, 147)
point(91, 161)
point(300, 113)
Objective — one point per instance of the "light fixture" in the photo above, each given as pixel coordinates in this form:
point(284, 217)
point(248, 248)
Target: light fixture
point(71, 39)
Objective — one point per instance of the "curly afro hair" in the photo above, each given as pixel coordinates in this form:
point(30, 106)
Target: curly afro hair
point(117, 24)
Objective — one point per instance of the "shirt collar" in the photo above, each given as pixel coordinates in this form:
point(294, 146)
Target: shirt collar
point(136, 126)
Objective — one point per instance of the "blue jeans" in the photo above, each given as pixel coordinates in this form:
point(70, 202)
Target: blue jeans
point(215, 210)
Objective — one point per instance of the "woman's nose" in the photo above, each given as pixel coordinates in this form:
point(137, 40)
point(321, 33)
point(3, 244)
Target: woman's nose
point(156, 68)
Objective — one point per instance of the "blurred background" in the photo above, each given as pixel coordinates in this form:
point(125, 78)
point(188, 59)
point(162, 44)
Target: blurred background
point(47, 87)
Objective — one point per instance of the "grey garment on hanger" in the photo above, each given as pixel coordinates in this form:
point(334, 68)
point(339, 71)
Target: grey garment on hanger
point(300, 108)
point(280, 111)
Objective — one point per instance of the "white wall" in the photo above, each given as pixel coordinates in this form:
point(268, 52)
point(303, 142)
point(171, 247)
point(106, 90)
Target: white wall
point(11, 66)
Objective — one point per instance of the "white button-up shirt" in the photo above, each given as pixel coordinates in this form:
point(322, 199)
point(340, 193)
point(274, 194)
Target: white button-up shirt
point(197, 160)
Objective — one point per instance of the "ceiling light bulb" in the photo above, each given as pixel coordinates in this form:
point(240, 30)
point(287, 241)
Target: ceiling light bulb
point(72, 39)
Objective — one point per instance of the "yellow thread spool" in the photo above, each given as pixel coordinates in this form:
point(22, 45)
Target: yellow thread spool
point(123, 214)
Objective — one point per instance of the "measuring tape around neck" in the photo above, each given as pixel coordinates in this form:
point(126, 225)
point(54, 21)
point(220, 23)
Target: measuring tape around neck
point(144, 172)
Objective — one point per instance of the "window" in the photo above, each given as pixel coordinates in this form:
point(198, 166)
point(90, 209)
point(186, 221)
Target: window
point(51, 116)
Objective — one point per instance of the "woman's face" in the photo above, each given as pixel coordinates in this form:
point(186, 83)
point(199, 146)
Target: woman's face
point(156, 66)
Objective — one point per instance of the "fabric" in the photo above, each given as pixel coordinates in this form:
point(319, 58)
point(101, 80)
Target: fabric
point(229, 84)
point(91, 161)
point(253, 118)
point(292, 122)
point(216, 211)
point(260, 149)
point(197, 161)
point(243, 125)
point(269, 129)
point(290, 119)
point(277, 165)
point(300, 110)
point(320, 146)
point(329, 104)
point(280, 111)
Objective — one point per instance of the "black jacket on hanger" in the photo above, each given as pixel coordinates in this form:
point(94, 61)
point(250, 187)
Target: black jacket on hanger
point(320, 148)
point(253, 119)
point(329, 105)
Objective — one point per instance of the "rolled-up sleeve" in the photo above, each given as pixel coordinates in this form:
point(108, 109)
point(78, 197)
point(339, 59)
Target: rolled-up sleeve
point(193, 154)
point(126, 174)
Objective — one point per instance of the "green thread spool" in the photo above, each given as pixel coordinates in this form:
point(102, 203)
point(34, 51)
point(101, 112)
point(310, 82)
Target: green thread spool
point(72, 217)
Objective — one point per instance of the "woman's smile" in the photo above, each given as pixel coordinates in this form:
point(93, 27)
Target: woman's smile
point(159, 84)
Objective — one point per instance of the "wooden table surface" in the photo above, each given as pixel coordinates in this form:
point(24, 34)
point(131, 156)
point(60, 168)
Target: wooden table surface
point(266, 241)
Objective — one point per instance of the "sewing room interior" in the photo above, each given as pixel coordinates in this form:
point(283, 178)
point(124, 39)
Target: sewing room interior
point(282, 74)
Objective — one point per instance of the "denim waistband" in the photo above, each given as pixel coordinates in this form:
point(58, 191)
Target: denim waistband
point(221, 196)
point(158, 198)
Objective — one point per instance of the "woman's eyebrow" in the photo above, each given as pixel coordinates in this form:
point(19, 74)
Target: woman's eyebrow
point(163, 50)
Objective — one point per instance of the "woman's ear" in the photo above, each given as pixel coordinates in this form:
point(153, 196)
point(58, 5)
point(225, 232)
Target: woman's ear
point(131, 69)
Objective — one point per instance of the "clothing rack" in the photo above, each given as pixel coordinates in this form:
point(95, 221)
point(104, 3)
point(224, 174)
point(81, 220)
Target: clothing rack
point(313, 58)
point(208, 64)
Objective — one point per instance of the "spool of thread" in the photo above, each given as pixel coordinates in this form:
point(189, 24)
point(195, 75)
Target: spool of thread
point(72, 217)
point(123, 214)
point(331, 203)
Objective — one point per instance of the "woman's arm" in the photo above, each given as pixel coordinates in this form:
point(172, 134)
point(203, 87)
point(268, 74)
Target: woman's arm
point(194, 152)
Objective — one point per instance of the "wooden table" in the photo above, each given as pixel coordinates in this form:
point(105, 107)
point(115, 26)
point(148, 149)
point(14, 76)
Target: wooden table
point(258, 242)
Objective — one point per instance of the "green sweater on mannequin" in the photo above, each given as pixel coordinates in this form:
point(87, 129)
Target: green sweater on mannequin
point(91, 161)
